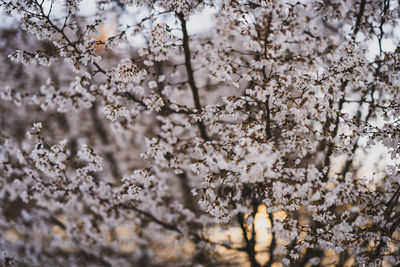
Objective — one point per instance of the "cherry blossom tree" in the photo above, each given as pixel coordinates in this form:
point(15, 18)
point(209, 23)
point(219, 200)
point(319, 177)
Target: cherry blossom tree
point(145, 144)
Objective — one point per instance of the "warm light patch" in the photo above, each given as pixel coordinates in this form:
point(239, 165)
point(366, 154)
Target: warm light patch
point(58, 230)
point(105, 31)
point(126, 238)
point(12, 235)
point(262, 224)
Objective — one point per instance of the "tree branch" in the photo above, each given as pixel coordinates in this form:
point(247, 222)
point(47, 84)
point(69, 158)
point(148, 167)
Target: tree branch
point(249, 247)
point(101, 131)
point(359, 17)
point(189, 70)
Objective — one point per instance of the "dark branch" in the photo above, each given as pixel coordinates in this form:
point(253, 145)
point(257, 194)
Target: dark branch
point(249, 247)
point(359, 18)
point(189, 70)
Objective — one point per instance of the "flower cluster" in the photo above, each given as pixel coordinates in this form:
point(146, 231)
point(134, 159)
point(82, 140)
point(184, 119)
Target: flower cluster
point(269, 138)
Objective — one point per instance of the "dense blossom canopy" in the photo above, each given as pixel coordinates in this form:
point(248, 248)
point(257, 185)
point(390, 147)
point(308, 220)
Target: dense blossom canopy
point(128, 139)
